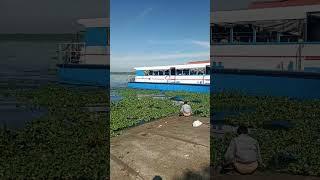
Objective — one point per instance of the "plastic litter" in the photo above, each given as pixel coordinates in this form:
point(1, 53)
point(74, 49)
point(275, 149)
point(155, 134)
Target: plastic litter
point(196, 123)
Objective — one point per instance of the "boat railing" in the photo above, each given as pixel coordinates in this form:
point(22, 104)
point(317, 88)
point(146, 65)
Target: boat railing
point(72, 53)
point(131, 78)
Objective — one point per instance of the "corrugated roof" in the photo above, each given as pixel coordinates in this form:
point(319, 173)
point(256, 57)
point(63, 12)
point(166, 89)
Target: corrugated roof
point(282, 3)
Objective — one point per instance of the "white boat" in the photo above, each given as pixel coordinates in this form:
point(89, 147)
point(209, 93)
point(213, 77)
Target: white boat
point(273, 35)
point(193, 77)
point(87, 62)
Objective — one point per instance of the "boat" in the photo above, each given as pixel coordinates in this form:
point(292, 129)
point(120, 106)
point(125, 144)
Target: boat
point(191, 77)
point(87, 61)
point(268, 48)
point(273, 35)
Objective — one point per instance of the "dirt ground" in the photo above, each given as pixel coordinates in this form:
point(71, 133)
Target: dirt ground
point(170, 148)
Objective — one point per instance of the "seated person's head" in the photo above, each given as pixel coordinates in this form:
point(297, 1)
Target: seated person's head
point(242, 130)
point(185, 102)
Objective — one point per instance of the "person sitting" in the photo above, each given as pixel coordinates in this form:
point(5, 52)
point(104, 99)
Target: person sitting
point(243, 153)
point(185, 110)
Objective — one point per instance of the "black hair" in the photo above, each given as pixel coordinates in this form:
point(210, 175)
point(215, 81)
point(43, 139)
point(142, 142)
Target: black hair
point(242, 130)
point(185, 102)
point(157, 178)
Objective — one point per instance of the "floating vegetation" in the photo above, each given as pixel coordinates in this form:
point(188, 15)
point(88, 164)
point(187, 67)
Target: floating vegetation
point(66, 143)
point(139, 106)
point(293, 146)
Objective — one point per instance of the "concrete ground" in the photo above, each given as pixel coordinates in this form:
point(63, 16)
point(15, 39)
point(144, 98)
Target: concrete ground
point(170, 148)
point(264, 176)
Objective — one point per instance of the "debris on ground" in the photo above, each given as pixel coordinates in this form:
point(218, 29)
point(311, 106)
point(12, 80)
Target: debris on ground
point(196, 123)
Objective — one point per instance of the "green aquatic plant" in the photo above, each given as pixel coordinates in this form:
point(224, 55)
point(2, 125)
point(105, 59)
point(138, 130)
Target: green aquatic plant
point(140, 106)
point(300, 142)
point(68, 142)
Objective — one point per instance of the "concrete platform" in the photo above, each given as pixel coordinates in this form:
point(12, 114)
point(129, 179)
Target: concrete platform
point(264, 176)
point(170, 148)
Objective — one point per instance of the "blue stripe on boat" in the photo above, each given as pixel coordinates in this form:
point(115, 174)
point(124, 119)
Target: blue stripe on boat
point(170, 87)
point(293, 85)
point(80, 75)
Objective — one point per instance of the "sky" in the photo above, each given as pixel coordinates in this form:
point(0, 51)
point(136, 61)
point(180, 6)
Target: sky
point(154, 32)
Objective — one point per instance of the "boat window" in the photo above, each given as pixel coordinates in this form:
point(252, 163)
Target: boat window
point(150, 73)
point(214, 64)
point(207, 70)
point(160, 73)
point(156, 73)
point(166, 72)
point(313, 26)
point(271, 31)
point(193, 72)
point(201, 71)
point(185, 72)
point(179, 72)
point(173, 71)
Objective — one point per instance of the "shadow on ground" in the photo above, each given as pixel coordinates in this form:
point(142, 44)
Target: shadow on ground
point(203, 174)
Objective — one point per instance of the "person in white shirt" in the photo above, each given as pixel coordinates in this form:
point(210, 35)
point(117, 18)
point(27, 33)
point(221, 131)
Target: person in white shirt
point(243, 153)
point(186, 109)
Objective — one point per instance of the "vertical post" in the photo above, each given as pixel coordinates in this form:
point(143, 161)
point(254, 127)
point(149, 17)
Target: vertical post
point(59, 53)
point(306, 28)
point(231, 35)
point(278, 37)
point(84, 54)
point(254, 35)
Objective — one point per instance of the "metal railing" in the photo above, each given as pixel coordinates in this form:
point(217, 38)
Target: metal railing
point(72, 53)
point(131, 78)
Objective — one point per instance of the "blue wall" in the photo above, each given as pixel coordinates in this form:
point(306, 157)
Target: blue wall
point(139, 73)
point(266, 85)
point(83, 76)
point(170, 87)
point(96, 36)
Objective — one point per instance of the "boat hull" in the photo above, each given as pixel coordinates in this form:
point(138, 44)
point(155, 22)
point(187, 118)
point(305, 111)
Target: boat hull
point(198, 88)
point(84, 74)
point(267, 83)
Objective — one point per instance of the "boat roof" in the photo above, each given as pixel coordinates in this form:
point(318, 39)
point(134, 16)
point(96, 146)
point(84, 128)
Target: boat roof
point(96, 22)
point(181, 66)
point(281, 3)
point(265, 13)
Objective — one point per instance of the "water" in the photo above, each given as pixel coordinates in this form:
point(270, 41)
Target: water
point(29, 64)
point(18, 57)
point(118, 80)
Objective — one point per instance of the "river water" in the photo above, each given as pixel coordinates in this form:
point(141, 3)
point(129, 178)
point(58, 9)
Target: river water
point(27, 64)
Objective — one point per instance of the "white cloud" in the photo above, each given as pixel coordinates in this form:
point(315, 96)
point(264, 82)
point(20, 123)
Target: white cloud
point(205, 44)
point(145, 12)
point(140, 16)
point(125, 63)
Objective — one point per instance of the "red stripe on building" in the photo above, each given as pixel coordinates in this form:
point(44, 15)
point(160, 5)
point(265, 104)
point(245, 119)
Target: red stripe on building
point(246, 56)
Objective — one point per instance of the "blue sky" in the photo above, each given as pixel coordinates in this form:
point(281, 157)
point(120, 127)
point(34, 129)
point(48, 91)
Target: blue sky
point(158, 32)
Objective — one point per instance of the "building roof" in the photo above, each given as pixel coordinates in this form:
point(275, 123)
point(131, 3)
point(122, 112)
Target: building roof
point(281, 3)
point(97, 22)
